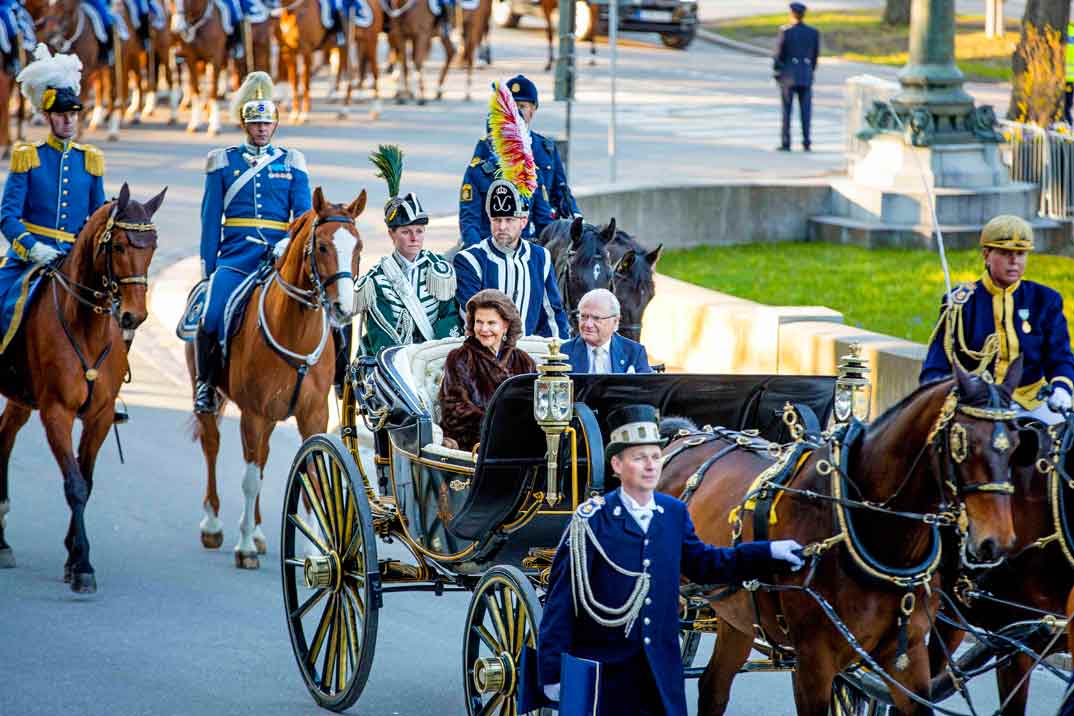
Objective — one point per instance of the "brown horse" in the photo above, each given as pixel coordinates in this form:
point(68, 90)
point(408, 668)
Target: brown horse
point(366, 41)
point(300, 33)
point(1039, 575)
point(475, 25)
point(147, 69)
point(281, 359)
point(203, 45)
point(866, 576)
point(411, 27)
point(74, 333)
point(7, 85)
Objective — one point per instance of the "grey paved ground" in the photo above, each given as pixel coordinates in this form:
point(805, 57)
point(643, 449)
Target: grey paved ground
point(177, 630)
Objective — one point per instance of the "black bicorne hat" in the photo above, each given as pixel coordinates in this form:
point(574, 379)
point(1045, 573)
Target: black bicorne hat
point(633, 425)
point(60, 99)
point(404, 211)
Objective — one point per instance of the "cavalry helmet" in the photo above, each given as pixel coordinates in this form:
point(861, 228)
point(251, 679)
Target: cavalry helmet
point(1008, 232)
point(253, 103)
point(52, 83)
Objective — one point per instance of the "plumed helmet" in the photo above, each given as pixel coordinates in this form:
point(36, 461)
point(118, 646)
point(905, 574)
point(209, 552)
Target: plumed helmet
point(633, 425)
point(512, 146)
point(398, 210)
point(52, 83)
point(1008, 232)
point(252, 103)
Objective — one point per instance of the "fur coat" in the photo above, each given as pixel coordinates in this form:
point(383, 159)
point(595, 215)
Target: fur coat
point(471, 376)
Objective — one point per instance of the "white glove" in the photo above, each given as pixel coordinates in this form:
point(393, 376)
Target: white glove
point(552, 692)
point(783, 549)
point(1059, 401)
point(281, 247)
point(41, 253)
point(178, 22)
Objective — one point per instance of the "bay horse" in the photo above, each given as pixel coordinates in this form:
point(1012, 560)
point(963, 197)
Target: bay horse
point(475, 26)
point(1038, 575)
point(581, 260)
point(203, 45)
point(632, 280)
point(366, 41)
point(900, 471)
point(300, 33)
point(411, 25)
point(281, 360)
point(69, 359)
point(147, 67)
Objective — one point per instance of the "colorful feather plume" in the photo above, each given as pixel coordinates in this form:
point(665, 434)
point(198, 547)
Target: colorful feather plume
point(48, 70)
point(510, 138)
point(388, 159)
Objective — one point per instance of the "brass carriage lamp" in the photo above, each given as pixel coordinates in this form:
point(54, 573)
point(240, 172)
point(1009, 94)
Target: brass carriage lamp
point(853, 391)
point(553, 407)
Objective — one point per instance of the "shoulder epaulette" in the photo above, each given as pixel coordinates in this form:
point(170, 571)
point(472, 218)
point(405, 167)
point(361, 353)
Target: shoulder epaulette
point(440, 280)
point(296, 160)
point(961, 293)
point(590, 507)
point(365, 292)
point(216, 159)
point(93, 159)
point(24, 157)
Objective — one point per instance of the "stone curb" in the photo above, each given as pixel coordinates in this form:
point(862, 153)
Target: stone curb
point(716, 38)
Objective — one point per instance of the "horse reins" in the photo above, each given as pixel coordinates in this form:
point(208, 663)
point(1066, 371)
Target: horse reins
point(311, 299)
point(68, 43)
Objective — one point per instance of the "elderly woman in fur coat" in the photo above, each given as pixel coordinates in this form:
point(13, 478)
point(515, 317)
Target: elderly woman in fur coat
point(475, 369)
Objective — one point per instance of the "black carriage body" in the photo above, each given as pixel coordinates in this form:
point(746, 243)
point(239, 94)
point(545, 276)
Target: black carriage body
point(485, 508)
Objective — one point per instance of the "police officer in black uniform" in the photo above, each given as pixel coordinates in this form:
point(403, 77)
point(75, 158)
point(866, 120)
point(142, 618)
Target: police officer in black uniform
point(794, 63)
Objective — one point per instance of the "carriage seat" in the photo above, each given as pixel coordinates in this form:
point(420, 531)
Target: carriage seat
point(422, 366)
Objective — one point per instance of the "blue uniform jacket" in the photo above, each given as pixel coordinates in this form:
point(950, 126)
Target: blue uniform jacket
point(669, 549)
point(1027, 318)
point(554, 176)
point(623, 354)
point(262, 209)
point(473, 221)
point(526, 277)
point(52, 189)
point(796, 54)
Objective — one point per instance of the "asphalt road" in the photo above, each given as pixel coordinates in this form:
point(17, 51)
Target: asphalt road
point(176, 629)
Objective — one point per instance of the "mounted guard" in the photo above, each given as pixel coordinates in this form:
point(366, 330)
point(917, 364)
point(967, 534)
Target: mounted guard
point(988, 324)
point(409, 296)
point(252, 192)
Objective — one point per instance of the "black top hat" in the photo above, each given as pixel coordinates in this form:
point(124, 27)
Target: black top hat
point(633, 425)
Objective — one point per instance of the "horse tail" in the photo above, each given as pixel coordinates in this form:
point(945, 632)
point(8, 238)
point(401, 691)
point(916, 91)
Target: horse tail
point(672, 425)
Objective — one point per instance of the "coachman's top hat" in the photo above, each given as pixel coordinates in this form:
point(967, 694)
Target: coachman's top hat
point(633, 425)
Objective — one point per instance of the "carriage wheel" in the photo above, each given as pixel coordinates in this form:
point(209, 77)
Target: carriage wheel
point(502, 619)
point(849, 699)
point(331, 579)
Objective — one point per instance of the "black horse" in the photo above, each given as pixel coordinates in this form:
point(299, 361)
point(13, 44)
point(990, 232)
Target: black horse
point(632, 280)
point(580, 257)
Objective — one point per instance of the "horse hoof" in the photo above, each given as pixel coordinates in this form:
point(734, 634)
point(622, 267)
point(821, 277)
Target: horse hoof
point(439, 95)
point(261, 545)
point(172, 121)
point(7, 558)
point(67, 573)
point(400, 100)
point(84, 584)
point(421, 102)
point(113, 137)
point(342, 114)
point(247, 560)
point(212, 540)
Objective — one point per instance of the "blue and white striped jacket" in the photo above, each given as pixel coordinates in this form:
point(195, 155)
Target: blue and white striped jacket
point(527, 277)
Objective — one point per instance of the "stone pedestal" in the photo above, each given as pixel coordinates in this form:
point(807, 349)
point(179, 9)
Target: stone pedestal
point(892, 163)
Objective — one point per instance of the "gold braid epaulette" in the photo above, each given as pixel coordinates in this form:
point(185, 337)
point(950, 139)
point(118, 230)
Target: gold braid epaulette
point(24, 158)
point(94, 159)
point(954, 335)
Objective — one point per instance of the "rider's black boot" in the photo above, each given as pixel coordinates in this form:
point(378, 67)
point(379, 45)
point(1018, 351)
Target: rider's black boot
point(342, 337)
point(205, 363)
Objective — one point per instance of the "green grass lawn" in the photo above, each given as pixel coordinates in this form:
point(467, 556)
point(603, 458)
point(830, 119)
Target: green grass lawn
point(861, 36)
point(890, 291)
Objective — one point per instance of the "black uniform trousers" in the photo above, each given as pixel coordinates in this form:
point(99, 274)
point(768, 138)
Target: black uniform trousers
point(805, 110)
point(632, 682)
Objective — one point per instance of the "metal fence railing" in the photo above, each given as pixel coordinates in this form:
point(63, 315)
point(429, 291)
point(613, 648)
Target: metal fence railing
point(1044, 157)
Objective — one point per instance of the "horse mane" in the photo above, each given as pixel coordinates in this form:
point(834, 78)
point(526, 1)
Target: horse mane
point(671, 425)
point(79, 261)
point(894, 410)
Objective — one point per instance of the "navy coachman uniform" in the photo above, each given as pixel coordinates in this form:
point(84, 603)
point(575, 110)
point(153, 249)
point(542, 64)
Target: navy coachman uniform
point(551, 200)
point(524, 273)
point(985, 327)
point(613, 593)
point(251, 196)
point(53, 187)
point(794, 63)
point(405, 300)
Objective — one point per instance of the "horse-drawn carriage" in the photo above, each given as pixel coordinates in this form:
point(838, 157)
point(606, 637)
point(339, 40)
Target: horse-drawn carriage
point(485, 521)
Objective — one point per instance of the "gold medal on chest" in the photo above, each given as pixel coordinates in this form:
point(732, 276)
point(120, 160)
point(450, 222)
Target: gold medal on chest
point(1023, 313)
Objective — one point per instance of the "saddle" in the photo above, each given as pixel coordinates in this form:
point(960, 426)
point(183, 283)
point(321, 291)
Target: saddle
point(234, 309)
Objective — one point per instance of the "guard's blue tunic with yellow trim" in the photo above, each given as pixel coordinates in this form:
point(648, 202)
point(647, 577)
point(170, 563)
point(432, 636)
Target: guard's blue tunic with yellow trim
point(261, 211)
point(669, 549)
point(1028, 321)
point(52, 189)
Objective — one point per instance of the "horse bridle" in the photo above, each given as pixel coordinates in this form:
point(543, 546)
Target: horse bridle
point(953, 435)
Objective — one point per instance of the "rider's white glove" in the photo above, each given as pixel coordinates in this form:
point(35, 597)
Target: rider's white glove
point(178, 22)
point(552, 692)
point(41, 253)
point(281, 247)
point(783, 549)
point(1059, 401)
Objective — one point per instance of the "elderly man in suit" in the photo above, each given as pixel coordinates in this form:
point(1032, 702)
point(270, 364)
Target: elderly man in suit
point(598, 348)
point(794, 63)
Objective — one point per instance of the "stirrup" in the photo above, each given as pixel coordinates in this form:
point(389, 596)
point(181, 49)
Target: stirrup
point(205, 399)
point(121, 416)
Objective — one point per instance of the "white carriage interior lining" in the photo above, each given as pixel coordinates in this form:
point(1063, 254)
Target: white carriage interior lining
point(422, 366)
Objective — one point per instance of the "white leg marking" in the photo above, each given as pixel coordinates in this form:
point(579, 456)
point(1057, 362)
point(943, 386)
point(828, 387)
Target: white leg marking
point(251, 485)
point(5, 507)
point(97, 116)
point(150, 106)
point(210, 523)
point(195, 115)
point(113, 126)
point(258, 534)
point(214, 118)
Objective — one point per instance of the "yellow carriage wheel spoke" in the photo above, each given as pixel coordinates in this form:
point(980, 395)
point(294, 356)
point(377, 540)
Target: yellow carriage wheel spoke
point(494, 703)
point(326, 504)
point(344, 506)
point(322, 630)
point(493, 606)
point(359, 603)
point(521, 633)
point(328, 673)
point(305, 529)
point(509, 617)
point(352, 629)
point(310, 603)
point(315, 503)
point(343, 658)
point(357, 578)
point(487, 638)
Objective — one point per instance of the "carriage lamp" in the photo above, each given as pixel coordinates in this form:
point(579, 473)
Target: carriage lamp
point(553, 407)
point(853, 391)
